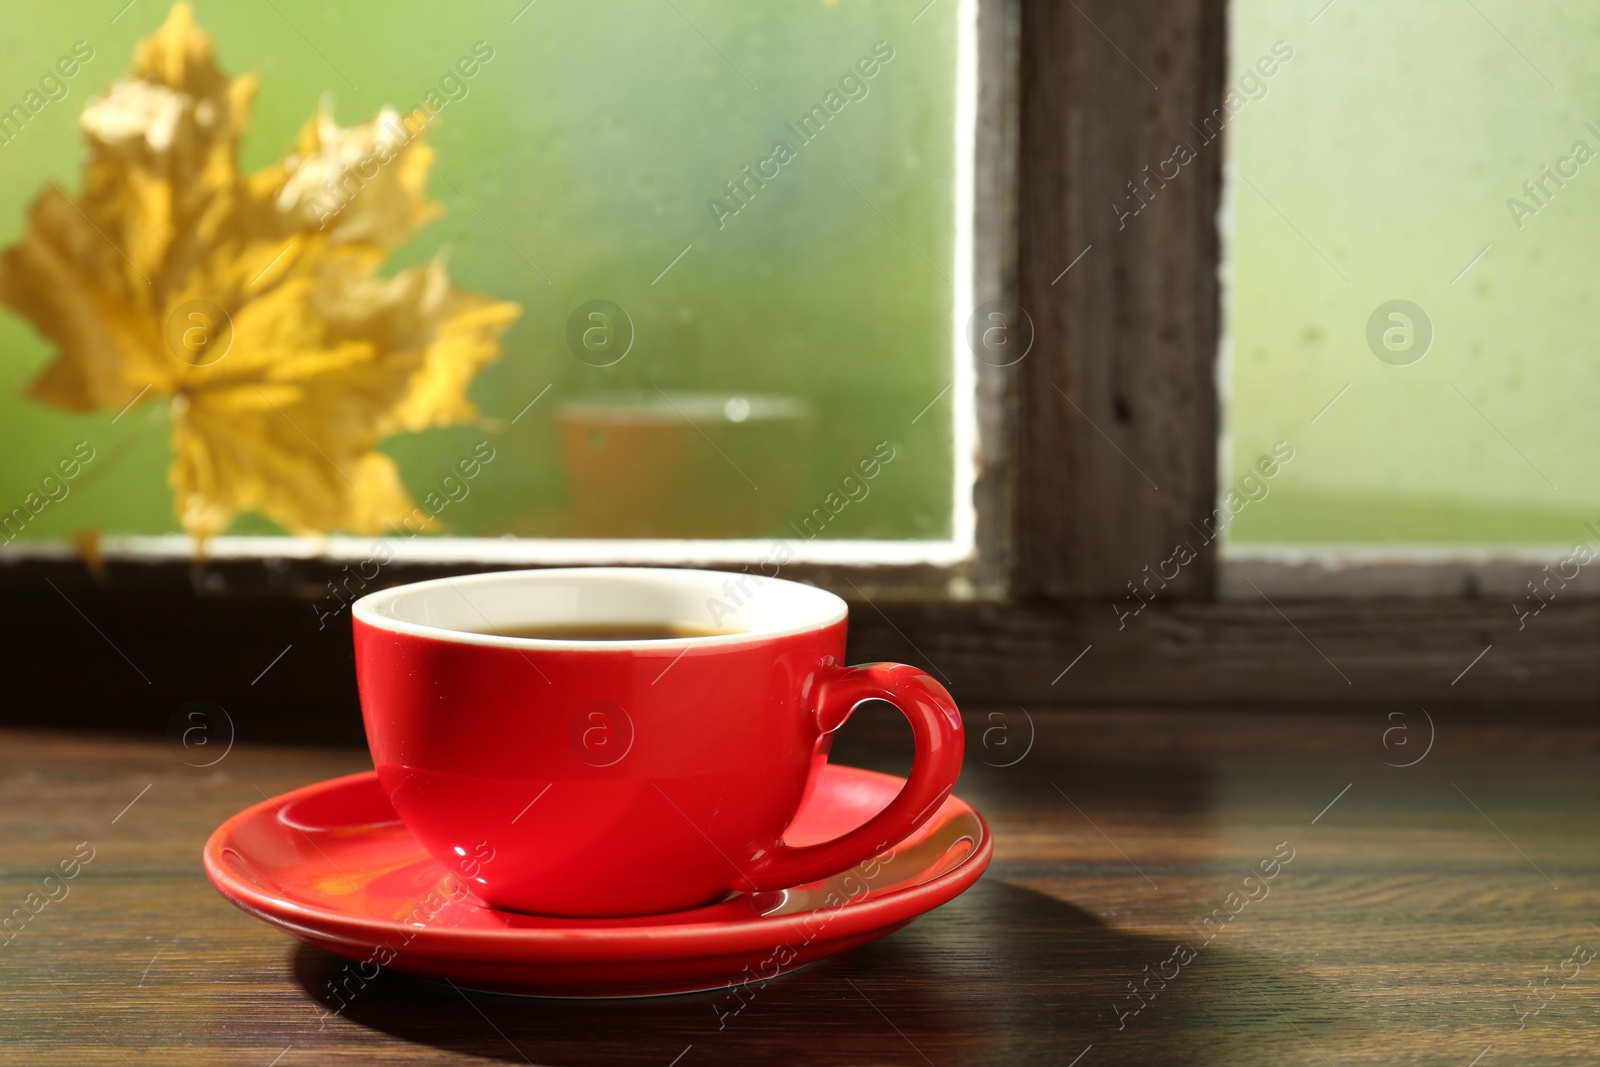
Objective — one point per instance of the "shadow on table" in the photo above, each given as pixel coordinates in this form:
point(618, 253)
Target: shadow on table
point(1001, 975)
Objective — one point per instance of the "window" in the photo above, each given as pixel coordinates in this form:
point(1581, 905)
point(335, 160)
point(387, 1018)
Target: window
point(741, 241)
point(1053, 483)
point(1409, 253)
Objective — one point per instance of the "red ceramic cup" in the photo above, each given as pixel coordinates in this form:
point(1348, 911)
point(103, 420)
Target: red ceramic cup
point(611, 778)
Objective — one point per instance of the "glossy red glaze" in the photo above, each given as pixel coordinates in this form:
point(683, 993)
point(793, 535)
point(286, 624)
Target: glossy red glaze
point(936, 729)
point(333, 865)
point(604, 781)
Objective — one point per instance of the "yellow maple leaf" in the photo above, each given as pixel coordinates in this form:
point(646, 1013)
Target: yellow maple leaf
point(253, 301)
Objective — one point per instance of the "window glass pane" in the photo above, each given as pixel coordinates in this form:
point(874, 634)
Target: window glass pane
point(1412, 249)
point(730, 229)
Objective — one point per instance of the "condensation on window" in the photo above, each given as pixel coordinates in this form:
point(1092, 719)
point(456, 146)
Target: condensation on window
point(1412, 234)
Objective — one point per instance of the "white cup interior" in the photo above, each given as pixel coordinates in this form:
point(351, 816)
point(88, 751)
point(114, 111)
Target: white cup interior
point(479, 608)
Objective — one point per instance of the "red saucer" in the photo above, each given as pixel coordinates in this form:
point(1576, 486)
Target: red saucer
point(333, 865)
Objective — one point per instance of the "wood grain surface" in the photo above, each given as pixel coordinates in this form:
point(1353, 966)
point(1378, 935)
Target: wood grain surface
point(285, 680)
point(1115, 447)
point(1461, 653)
point(1419, 904)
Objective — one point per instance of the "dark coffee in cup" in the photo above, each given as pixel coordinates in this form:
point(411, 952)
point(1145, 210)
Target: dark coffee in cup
point(606, 631)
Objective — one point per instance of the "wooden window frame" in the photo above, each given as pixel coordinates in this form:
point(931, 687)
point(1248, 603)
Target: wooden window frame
point(1098, 458)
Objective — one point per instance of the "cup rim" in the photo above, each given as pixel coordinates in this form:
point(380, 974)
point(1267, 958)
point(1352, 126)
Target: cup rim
point(817, 608)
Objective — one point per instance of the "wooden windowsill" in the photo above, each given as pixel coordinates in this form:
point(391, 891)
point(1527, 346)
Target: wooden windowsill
point(1117, 834)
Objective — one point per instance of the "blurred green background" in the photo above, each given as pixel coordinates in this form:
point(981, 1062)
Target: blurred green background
point(590, 144)
point(1375, 166)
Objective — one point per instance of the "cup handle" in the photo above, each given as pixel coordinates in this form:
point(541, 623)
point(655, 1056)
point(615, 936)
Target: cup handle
point(937, 732)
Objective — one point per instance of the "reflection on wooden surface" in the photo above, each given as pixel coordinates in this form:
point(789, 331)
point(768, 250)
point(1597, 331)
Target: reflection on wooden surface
point(1407, 927)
